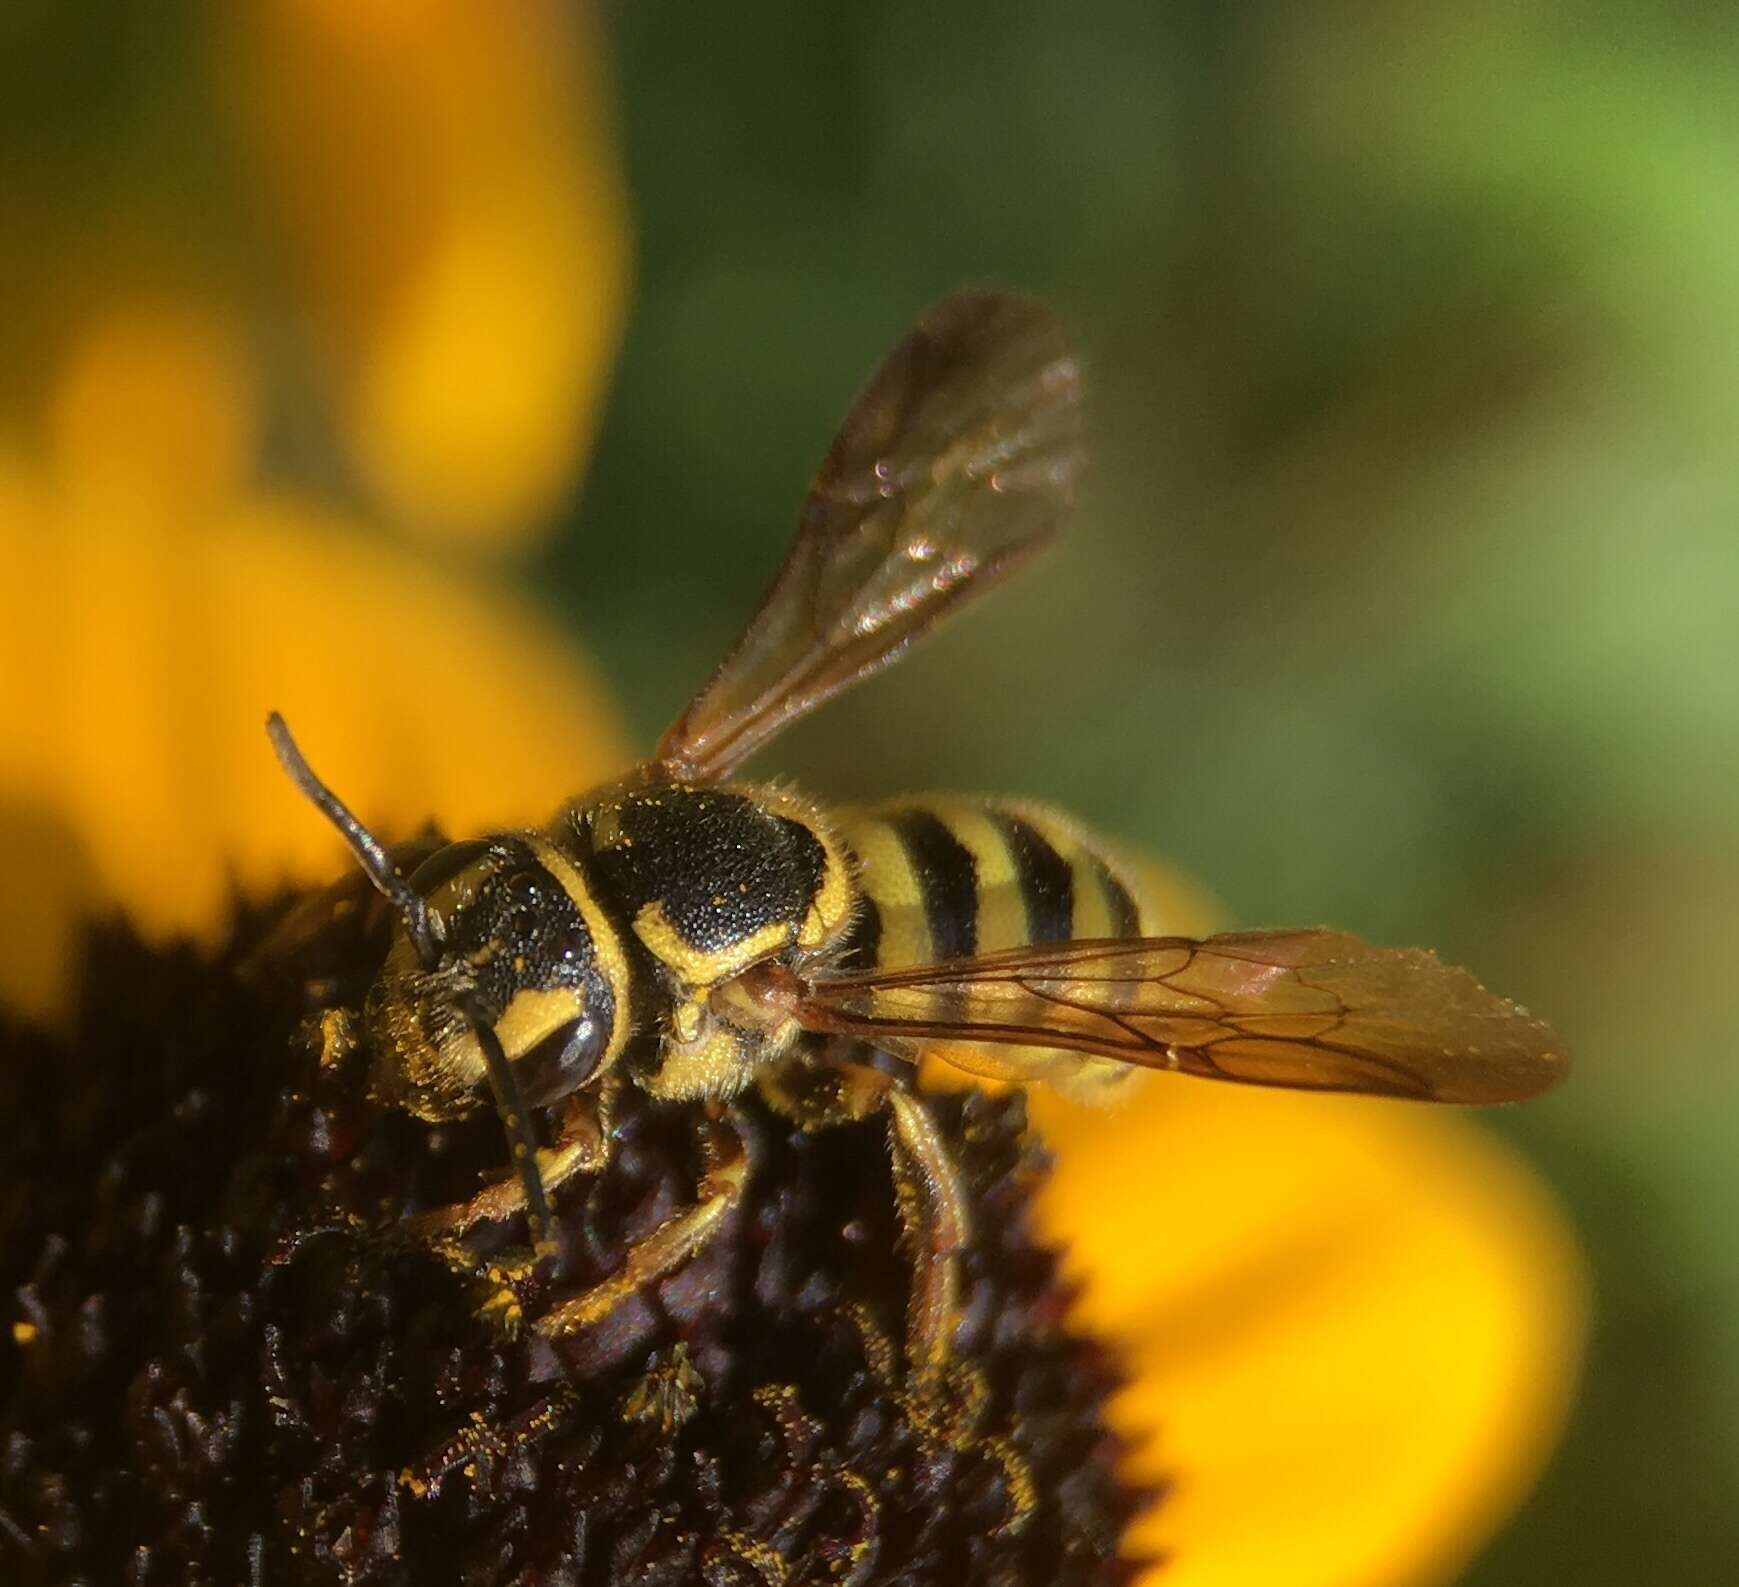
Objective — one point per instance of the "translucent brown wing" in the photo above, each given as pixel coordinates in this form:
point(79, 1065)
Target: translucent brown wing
point(1315, 1010)
point(957, 461)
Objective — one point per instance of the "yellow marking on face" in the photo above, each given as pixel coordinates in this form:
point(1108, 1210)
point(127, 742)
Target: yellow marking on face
point(434, 1074)
point(533, 1013)
point(24, 1333)
point(699, 967)
point(607, 944)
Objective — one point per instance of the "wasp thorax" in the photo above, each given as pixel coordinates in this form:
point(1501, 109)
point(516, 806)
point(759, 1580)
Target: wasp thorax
point(714, 880)
point(710, 882)
point(517, 950)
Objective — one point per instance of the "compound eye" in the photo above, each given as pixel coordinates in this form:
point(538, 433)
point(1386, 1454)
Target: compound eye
point(562, 1062)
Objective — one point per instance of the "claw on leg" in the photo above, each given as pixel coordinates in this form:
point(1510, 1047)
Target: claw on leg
point(581, 1147)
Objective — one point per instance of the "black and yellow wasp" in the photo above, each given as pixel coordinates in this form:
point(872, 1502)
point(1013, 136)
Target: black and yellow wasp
point(694, 935)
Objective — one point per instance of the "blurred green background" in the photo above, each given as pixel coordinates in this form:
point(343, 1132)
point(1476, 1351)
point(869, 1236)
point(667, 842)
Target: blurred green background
point(1405, 589)
point(1405, 592)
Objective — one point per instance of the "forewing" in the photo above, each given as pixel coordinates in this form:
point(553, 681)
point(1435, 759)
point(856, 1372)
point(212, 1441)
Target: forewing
point(1314, 1010)
point(957, 461)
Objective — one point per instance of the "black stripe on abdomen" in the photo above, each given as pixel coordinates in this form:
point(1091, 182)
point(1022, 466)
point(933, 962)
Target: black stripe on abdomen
point(1046, 882)
point(1125, 917)
point(947, 878)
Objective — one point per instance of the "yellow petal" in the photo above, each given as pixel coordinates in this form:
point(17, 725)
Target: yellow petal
point(444, 172)
point(1353, 1326)
point(155, 399)
point(140, 665)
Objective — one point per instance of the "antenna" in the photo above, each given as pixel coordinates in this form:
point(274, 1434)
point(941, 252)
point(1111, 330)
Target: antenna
point(516, 1121)
point(370, 854)
point(420, 927)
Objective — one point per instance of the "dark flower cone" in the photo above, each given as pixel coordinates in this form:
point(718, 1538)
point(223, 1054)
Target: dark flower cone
point(227, 1362)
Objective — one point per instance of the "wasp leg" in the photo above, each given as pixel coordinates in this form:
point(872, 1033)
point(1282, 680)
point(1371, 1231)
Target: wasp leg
point(823, 1095)
point(668, 1246)
point(933, 1208)
point(927, 1189)
point(582, 1146)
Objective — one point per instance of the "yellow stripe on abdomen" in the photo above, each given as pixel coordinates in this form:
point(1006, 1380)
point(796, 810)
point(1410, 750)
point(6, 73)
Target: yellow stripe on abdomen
point(1010, 873)
point(942, 875)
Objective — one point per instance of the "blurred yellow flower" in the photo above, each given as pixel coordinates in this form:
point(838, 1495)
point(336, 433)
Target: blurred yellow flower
point(441, 175)
point(408, 211)
point(1353, 1327)
point(154, 609)
point(414, 233)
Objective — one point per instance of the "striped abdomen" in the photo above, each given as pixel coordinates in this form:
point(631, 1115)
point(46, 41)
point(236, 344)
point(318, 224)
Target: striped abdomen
point(943, 876)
